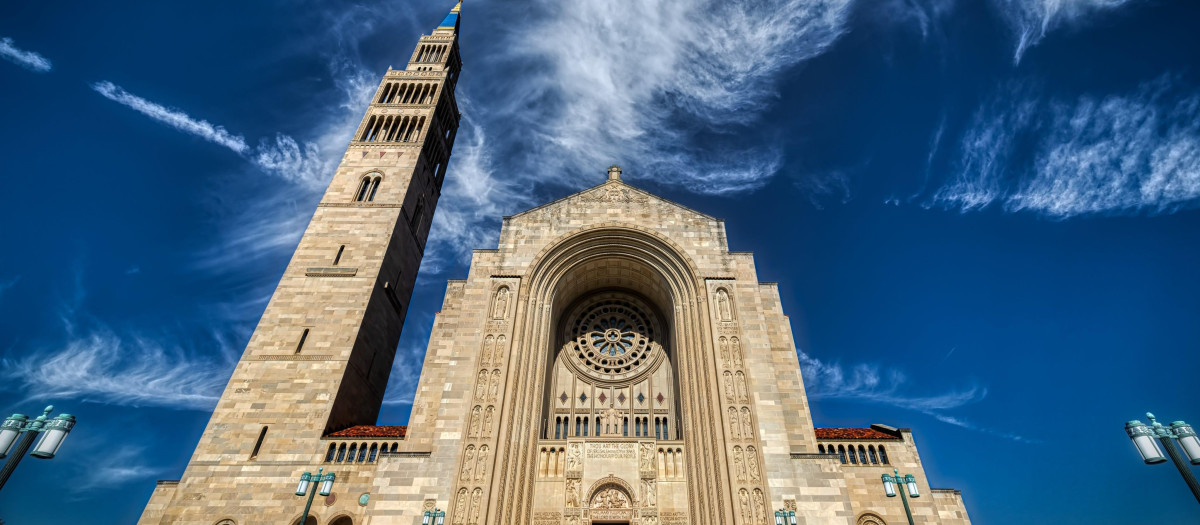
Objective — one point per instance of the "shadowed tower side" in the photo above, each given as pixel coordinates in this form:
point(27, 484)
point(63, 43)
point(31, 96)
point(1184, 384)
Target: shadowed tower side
point(321, 354)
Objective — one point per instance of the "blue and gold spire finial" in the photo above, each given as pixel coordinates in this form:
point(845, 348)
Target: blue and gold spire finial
point(451, 20)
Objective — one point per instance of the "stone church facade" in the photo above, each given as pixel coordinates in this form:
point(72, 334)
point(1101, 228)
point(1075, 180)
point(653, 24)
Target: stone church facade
point(610, 362)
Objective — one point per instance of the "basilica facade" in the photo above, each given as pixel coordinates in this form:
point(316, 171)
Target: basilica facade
point(611, 361)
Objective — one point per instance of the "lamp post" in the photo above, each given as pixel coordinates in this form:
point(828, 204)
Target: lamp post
point(434, 517)
point(323, 484)
point(1143, 436)
point(909, 482)
point(55, 431)
point(785, 517)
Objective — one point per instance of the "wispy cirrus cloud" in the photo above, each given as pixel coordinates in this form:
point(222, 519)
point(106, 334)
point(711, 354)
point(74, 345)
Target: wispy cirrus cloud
point(1030, 20)
point(27, 59)
point(281, 156)
point(105, 368)
point(1130, 153)
point(112, 467)
point(871, 383)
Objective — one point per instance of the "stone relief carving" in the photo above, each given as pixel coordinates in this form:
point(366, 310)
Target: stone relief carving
point(573, 492)
point(481, 464)
point(647, 457)
point(460, 507)
point(742, 394)
point(575, 457)
point(729, 389)
point(760, 507)
point(487, 421)
point(724, 344)
point(481, 384)
point(649, 493)
point(474, 432)
point(737, 352)
point(485, 354)
point(752, 463)
point(739, 464)
point(476, 496)
point(747, 432)
point(494, 391)
point(744, 506)
point(869, 519)
point(610, 499)
point(498, 356)
point(735, 427)
point(468, 462)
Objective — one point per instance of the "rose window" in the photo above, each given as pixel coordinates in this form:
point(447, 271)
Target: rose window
point(611, 338)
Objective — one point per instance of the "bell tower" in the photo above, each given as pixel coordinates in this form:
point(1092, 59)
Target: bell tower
point(320, 357)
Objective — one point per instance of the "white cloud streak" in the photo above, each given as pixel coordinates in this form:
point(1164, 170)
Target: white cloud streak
point(1030, 20)
point(282, 156)
point(113, 467)
point(869, 383)
point(103, 368)
point(27, 59)
point(1132, 153)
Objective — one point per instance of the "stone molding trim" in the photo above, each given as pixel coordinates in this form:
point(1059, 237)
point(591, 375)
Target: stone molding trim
point(332, 271)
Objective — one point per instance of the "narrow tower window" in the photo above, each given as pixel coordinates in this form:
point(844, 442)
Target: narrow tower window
point(363, 187)
point(299, 347)
point(374, 188)
point(258, 444)
point(338, 258)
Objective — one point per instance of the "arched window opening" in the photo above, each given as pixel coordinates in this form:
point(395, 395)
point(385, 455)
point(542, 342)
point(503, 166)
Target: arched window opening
point(883, 455)
point(341, 453)
point(374, 188)
point(874, 458)
point(415, 220)
point(352, 453)
point(862, 454)
point(394, 445)
point(666, 433)
point(821, 448)
point(363, 187)
point(310, 520)
point(842, 453)
point(585, 426)
point(374, 453)
point(367, 130)
point(577, 427)
point(331, 453)
point(362, 452)
point(258, 444)
point(344, 520)
point(625, 427)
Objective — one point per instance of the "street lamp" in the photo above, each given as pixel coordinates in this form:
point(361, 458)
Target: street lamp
point(434, 517)
point(909, 482)
point(325, 482)
point(54, 430)
point(1143, 436)
point(785, 517)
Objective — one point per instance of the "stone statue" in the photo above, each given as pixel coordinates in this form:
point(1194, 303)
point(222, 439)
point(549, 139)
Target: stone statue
point(752, 463)
point(481, 466)
point(500, 310)
point(723, 305)
point(495, 390)
point(475, 497)
point(725, 352)
point(741, 387)
point(747, 432)
point(734, 426)
point(739, 465)
point(481, 384)
point(460, 507)
point(468, 462)
point(487, 422)
point(475, 422)
point(744, 501)
point(572, 493)
point(760, 507)
point(737, 353)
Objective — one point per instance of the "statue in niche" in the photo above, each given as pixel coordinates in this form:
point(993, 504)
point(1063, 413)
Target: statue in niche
point(747, 432)
point(485, 354)
point(760, 506)
point(498, 357)
point(573, 492)
point(495, 390)
point(725, 352)
point(500, 308)
point(468, 462)
point(481, 384)
point(612, 422)
point(474, 422)
point(648, 493)
point(475, 497)
point(744, 501)
point(737, 353)
point(487, 422)
point(723, 310)
point(460, 507)
point(734, 426)
point(647, 457)
point(729, 393)
point(752, 463)
point(739, 465)
point(481, 466)
point(743, 396)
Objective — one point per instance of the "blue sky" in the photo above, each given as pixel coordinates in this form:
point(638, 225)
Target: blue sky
point(983, 215)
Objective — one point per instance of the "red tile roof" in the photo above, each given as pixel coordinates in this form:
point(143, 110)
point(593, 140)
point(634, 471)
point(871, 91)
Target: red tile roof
point(371, 431)
point(853, 433)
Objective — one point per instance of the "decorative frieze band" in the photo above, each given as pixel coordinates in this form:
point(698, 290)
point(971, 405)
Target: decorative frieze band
point(333, 271)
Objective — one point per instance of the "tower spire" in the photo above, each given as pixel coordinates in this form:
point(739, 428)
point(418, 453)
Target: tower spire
point(450, 23)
